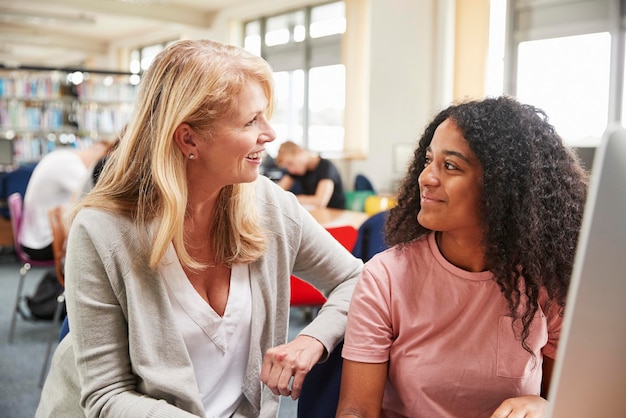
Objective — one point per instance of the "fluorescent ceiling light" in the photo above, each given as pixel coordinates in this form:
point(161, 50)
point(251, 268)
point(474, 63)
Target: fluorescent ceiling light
point(17, 16)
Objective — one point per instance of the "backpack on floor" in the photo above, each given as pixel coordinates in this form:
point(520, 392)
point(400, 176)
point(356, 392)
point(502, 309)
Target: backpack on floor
point(43, 302)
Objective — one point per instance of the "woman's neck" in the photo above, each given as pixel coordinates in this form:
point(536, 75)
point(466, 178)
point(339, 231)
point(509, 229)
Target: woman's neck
point(466, 252)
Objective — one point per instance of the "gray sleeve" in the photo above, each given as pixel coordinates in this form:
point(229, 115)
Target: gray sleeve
point(307, 250)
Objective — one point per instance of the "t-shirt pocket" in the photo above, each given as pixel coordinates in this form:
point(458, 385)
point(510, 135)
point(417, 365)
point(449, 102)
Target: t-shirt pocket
point(513, 360)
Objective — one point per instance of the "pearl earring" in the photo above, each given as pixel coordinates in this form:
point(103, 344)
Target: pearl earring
point(191, 156)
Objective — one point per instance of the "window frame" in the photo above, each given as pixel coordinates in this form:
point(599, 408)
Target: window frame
point(303, 55)
point(533, 20)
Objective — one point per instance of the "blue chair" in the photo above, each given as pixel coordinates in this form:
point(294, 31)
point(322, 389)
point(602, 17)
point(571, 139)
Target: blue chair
point(320, 391)
point(361, 182)
point(370, 239)
point(65, 328)
point(15, 181)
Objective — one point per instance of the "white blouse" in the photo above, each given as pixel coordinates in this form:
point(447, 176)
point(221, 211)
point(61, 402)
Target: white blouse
point(218, 345)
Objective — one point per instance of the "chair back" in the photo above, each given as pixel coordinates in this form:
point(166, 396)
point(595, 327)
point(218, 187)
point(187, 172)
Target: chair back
point(15, 182)
point(15, 211)
point(59, 236)
point(303, 293)
point(361, 182)
point(371, 240)
point(320, 390)
point(345, 234)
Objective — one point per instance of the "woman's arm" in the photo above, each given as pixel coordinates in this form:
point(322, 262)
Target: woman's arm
point(327, 265)
point(310, 252)
point(362, 388)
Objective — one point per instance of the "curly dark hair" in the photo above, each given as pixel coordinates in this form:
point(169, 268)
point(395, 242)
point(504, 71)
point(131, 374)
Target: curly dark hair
point(534, 192)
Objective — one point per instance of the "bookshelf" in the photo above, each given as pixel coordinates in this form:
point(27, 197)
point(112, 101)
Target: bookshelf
point(43, 108)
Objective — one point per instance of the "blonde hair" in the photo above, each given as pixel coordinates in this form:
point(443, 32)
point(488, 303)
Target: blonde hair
point(194, 82)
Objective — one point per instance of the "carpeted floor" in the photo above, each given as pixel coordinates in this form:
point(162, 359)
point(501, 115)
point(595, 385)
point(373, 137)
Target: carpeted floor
point(21, 361)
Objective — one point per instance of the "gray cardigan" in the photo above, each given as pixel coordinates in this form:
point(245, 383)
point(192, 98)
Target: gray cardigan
point(125, 356)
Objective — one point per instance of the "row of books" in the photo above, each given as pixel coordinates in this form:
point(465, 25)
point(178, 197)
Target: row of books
point(55, 116)
point(55, 86)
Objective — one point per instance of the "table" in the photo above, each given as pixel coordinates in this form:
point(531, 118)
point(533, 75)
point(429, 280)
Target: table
point(330, 217)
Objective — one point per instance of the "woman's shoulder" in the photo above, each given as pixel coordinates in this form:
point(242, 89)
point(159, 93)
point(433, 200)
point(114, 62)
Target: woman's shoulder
point(91, 213)
point(402, 255)
point(109, 233)
point(101, 222)
point(279, 209)
point(270, 196)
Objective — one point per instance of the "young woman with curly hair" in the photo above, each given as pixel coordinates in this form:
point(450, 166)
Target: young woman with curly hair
point(462, 316)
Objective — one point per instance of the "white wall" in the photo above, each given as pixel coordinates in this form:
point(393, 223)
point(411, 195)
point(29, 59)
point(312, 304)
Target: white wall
point(406, 69)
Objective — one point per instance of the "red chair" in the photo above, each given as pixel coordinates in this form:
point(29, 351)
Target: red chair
point(304, 295)
point(15, 210)
point(346, 235)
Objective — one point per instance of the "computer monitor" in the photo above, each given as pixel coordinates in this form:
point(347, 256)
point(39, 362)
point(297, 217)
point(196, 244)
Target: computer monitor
point(589, 378)
point(6, 152)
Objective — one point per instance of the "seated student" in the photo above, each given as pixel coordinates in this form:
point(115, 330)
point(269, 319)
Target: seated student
point(96, 170)
point(54, 182)
point(462, 316)
point(317, 179)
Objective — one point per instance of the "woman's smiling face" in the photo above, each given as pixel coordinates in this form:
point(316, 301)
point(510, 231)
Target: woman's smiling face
point(451, 183)
point(233, 154)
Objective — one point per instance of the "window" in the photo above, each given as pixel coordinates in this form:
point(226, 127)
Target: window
point(568, 78)
point(566, 59)
point(287, 119)
point(141, 58)
point(304, 49)
point(326, 105)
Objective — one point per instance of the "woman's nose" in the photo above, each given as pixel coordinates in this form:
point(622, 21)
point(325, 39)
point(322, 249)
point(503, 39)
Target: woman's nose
point(428, 177)
point(268, 134)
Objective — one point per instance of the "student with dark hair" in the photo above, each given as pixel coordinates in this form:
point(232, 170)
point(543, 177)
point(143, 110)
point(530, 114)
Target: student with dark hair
point(462, 316)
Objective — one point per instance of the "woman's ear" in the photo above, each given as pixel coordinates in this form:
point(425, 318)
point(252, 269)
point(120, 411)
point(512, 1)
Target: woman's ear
point(185, 138)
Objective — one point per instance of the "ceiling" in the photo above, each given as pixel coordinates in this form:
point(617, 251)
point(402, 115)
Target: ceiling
point(66, 33)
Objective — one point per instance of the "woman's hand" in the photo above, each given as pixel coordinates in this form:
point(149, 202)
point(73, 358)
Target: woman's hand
point(530, 406)
point(292, 360)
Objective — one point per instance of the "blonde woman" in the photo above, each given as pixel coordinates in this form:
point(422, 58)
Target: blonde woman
point(178, 262)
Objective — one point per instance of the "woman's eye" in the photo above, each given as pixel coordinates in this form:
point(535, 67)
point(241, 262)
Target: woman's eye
point(450, 166)
point(252, 122)
point(426, 161)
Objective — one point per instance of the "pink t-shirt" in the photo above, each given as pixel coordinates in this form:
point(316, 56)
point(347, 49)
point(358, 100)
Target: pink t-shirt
point(446, 333)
